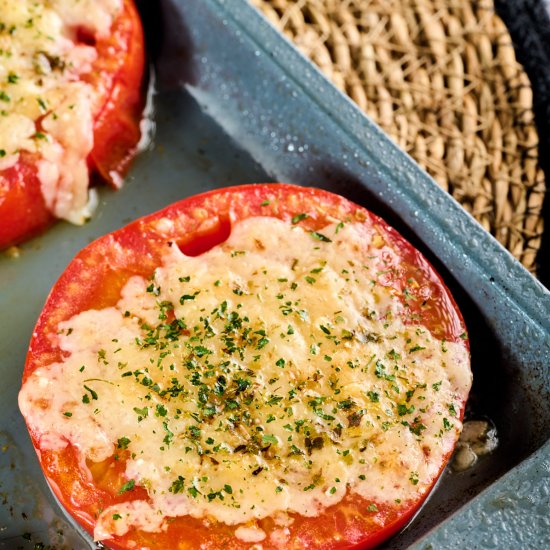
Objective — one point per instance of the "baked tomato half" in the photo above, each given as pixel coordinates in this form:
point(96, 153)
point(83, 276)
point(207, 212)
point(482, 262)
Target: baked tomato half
point(259, 364)
point(72, 99)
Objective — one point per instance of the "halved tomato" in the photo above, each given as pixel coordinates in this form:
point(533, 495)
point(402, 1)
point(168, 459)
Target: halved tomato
point(93, 281)
point(117, 79)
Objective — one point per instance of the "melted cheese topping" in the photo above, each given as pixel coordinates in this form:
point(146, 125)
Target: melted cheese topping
point(44, 107)
point(269, 375)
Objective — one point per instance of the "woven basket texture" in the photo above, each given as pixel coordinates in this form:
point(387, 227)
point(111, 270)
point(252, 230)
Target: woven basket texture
point(441, 78)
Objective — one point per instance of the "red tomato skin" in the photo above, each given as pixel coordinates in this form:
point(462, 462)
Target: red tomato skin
point(118, 73)
point(23, 212)
point(94, 280)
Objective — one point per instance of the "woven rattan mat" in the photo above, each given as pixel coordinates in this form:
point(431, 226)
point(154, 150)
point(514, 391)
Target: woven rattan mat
point(441, 78)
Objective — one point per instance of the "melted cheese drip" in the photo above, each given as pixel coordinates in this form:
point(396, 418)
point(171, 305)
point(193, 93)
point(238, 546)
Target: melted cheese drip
point(290, 380)
point(44, 107)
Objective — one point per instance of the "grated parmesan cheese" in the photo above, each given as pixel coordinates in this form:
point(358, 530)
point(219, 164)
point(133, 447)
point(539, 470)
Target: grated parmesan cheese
point(265, 377)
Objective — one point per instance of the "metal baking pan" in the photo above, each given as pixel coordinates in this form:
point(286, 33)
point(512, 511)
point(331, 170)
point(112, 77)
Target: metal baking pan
point(237, 104)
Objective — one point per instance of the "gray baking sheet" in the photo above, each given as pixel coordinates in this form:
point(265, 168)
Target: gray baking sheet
point(237, 104)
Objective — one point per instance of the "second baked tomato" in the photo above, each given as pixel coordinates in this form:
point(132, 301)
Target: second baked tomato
point(41, 172)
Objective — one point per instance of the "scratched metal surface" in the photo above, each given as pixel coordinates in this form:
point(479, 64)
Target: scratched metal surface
point(238, 104)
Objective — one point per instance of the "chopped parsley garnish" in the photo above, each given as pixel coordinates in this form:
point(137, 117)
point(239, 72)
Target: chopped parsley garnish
point(128, 486)
point(320, 237)
point(380, 372)
point(123, 443)
point(178, 485)
point(298, 218)
point(93, 395)
point(188, 297)
point(416, 427)
point(373, 396)
point(161, 410)
point(269, 439)
point(274, 399)
point(142, 413)
point(416, 348)
point(193, 491)
point(402, 409)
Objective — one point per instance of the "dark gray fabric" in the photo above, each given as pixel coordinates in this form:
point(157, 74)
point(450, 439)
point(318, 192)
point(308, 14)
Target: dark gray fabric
point(529, 24)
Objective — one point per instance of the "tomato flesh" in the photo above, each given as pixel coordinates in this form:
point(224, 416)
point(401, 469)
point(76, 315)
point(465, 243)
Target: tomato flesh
point(94, 280)
point(23, 212)
point(118, 72)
